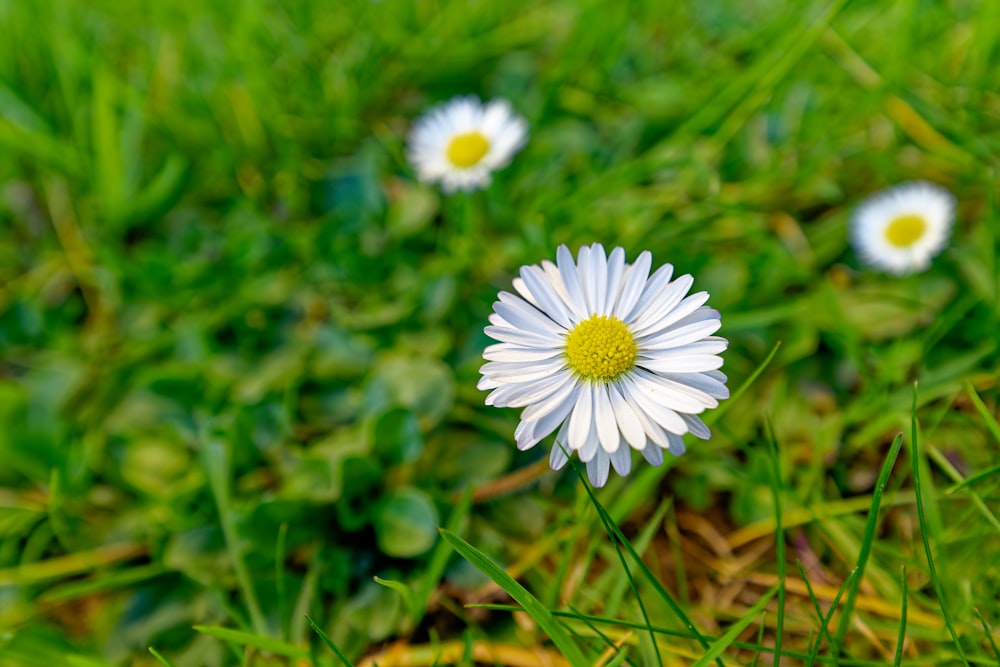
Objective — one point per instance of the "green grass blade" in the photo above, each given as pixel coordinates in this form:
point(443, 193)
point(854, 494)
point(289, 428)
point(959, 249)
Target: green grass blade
point(897, 658)
point(621, 654)
point(726, 640)
point(760, 638)
point(215, 457)
point(404, 592)
point(329, 643)
point(163, 661)
point(868, 538)
point(825, 620)
point(978, 477)
point(779, 540)
point(438, 560)
point(915, 464)
point(250, 639)
point(546, 621)
point(813, 648)
point(279, 576)
point(618, 537)
point(989, 634)
point(991, 422)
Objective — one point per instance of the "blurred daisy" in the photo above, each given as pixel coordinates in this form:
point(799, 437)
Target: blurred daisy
point(615, 358)
point(460, 143)
point(900, 229)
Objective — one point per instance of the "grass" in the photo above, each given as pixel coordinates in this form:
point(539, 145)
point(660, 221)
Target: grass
point(239, 342)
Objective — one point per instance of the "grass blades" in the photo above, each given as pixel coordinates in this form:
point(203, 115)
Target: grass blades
point(824, 619)
point(779, 539)
point(935, 582)
point(867, 539)
point(215, 458)
point(989, 634)
point(241, 638)
point(726, 640)
point(159, 656)
point(619, 538)
point(329, 643)
point(991, 422)
point(530, 604)
point(897, 657)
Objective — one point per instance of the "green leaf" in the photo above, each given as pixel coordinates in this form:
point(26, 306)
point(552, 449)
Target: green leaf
point(528, 602)
point(397, 437)
point(406, 521)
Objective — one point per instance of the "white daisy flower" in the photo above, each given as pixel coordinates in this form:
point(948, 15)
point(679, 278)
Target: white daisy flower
point(901, 229)
point(613, 357)
point(460, 143)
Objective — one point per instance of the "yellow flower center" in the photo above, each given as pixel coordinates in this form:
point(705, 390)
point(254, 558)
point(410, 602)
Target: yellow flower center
point(905, 230)
point(600, 349)
point(467, 149)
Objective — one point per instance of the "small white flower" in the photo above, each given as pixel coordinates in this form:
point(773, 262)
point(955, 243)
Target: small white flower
point(461, 142)
point(613, 357)
point(901, 229)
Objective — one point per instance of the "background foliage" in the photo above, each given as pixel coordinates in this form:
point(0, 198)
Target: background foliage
point(239, 343)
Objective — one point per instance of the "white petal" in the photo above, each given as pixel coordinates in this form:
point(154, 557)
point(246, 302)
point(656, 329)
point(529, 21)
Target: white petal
point(522, 394)
point(548, 299)
point(702, 382)
point(564, 393)
point(522, 315)
point(684, 363)
point(616, 266)
point(525, 371)
point(659, 413)
point(697, 427)
point(687, 306)
point(676, 444)
point(621, 459)
point(598, 278)
point(581, 420)
point(659, 307)
point(681, 336)
point(514, 353)
point(604, 417)
point(585, 270)
point(717, 375)
point(708, 345)
point(523, 338)
point(628, 422)
point(591, 447)
point(557, 457)
point(653, 454)
point(523, 290)
point(597, 470)
point(546, 423)
point(635, 280)
point(674, 395)
point(571, 280)
point(651, 291)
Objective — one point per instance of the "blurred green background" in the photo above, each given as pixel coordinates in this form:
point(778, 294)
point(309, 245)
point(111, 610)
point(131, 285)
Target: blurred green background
point(239, 342)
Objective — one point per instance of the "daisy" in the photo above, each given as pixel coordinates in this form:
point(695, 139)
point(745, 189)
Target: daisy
point(460, 143)
point(615, 358)
point(900, 229)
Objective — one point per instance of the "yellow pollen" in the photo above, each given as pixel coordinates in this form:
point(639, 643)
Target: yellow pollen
point(905, 230)
point(467, 149)
point(600, 349)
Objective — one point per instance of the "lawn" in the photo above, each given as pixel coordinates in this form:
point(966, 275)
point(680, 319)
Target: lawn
point(240, 339)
